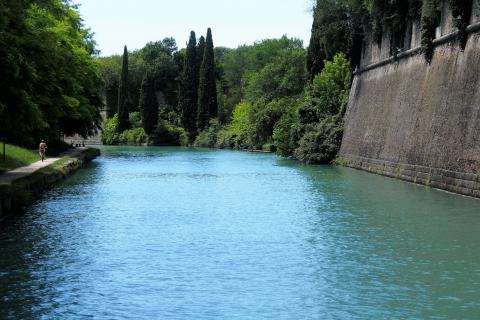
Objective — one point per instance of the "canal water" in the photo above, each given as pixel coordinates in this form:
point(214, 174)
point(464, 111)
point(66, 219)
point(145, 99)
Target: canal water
point(172, 233)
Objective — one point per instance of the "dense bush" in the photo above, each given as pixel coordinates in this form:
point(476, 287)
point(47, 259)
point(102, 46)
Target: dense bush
point(321, 141)
point(266, 115)
point(135, 119)
point(110, 134)
point(328, 92)
point(239, 132)
point(321, 116)
point(286, 132)
point(208, 137)
point(136, 136)
point(169, 134)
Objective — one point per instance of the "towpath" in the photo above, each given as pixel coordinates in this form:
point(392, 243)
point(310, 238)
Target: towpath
point(18, 173)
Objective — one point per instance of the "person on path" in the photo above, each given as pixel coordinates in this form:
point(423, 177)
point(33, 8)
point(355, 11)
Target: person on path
point(42, 148)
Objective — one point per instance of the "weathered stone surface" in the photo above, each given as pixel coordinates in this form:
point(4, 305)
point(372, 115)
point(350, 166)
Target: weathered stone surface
point(416, 121)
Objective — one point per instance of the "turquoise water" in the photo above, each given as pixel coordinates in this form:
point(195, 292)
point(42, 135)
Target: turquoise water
point(171, 233)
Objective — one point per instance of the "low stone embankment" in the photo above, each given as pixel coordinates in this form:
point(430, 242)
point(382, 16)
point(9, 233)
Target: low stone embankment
point(20, 188)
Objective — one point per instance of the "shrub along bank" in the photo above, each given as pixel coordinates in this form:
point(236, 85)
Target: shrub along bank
point(308, 126)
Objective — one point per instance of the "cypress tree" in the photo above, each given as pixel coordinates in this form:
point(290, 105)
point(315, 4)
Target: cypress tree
point(200, 52)
point(189, 89)
point(207, 92)
point(148, 103)
point(123, 123)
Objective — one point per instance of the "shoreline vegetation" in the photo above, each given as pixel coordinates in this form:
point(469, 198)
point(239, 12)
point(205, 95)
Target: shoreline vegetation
point(275, 95)
point(262, 99)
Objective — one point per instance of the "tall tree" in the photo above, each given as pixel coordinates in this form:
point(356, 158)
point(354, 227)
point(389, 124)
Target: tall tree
point(200, 52)
point(123, 102)
point(207, 89)
point(338, 28)
point(148, 103)
point(188, 95)
point(40, 94)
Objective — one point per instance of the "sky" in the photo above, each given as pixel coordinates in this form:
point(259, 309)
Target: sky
point(234, 22)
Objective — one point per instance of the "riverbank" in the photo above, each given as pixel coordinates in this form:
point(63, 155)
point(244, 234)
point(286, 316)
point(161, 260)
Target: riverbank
point(20, 186)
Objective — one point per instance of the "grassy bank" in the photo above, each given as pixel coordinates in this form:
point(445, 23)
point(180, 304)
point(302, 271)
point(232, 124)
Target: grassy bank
point(16, 157)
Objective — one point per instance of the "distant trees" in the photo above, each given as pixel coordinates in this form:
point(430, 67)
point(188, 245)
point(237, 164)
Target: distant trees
point(148, 104)
point(207, 89)
point(198, 87)
point(123, 101)
point(200, 52)
point(188, 96)
point(261, 90)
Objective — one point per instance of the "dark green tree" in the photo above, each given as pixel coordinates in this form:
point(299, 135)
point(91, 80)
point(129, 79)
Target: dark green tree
point(338, 27)
point(49, 81)
point(148, 104)
point(200, 52)
point(207, 89)
point(188, 94)
point(123, 102)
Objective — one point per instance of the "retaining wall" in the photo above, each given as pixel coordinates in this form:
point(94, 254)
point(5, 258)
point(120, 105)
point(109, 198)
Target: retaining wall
point(419, 122)
point(15, 195)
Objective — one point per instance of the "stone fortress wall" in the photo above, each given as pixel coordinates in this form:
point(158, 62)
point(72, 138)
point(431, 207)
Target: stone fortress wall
point(416, 121)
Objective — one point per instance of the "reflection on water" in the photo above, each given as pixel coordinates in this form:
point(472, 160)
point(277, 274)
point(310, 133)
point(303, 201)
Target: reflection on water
point(174, 233)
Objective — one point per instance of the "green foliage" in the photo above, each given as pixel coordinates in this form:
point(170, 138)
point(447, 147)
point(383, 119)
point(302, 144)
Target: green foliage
point(135, 119)
point(152, 51)
point(200, 52)
point(285, 76)
point(321, 142)
point(207, 89)
point(110, 135)
point(110, 68)
point(16, 157)
point(241, 128)
point(269, 147)
point(338, 27)
point(329, 91)
point(49, 80)
point(321, 115)
point(430, 20)
point(286, 131)
point(169, 134)
point(208, 137)
point(264, 117)
point(188, 96)
point(135, 136)
point(123, 99)
point(461, 11)
point(148, 104)
point(239, 66)
point(158, 59)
